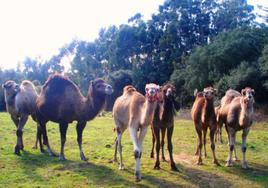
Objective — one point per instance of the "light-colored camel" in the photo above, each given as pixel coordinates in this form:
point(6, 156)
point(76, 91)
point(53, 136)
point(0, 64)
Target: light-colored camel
point(223, 111)
point(204, 117)
point(134, 111)
point(240, 117)
point(20, 103)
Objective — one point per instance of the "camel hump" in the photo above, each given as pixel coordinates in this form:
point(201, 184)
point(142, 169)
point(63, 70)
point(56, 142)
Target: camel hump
point(58, 83)
point(129, 89)
point(232, 93)
point(27, 84)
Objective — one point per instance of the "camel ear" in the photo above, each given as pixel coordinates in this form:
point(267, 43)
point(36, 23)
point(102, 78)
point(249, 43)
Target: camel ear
point(3, 86)
point(243, 92)
point(195, 92)
point(253, 91)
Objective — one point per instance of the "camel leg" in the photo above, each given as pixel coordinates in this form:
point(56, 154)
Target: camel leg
point(199, 148)
point(235, 155)
point(79, 130)
point(153, 142)
point(212, 145)
point(163, 133)
point(19, 132)
point(36, 140)
point(63, 130)
point(231, 132)
point(45, 138)
point(244, 147)
point(115, 150)
point(157, 138)
point(204, 140)
point(119, 145)
point(39, 138)
point(170, 148)
point(220, 134)
point(137, 152)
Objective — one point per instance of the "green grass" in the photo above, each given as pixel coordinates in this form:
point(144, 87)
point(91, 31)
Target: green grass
point(33, 169)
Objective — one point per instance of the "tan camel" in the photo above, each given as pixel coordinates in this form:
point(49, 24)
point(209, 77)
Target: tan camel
point(20, 103)
point(134, 111)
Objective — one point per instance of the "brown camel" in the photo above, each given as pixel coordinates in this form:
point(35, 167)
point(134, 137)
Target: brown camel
point(20, 103)
point(204, 117)
point(164, 121)
point(240, 117)
point(61, 101)
point(135, 111)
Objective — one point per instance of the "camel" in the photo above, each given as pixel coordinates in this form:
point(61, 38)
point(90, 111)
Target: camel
point(164, 122)
point(20, 103)
point(204, 117)
point(134, 111)
point(239, 117)
point(223, 111)
point(62, 102)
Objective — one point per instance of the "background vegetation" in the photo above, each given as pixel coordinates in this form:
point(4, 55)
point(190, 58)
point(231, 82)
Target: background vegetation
point(190, 43)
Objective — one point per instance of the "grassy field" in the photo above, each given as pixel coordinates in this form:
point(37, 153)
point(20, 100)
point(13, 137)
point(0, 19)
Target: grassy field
point(33, 169)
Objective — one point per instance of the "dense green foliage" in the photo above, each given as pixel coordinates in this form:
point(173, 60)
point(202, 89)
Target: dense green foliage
point(199, 43)
point(33, 169)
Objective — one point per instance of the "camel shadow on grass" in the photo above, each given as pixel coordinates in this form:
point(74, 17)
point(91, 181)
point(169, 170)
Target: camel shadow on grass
point(100, 175)
point(257, 173)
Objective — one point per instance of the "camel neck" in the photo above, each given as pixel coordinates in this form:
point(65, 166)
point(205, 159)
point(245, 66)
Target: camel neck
point(94, 104)
point(148, 112)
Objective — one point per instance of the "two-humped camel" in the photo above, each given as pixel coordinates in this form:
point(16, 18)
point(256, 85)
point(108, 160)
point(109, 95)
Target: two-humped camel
point(134, 111)
point(237, 114)
point(204, 117)
point(20, 103)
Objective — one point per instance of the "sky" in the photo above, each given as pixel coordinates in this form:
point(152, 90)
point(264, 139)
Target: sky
point(38, 28)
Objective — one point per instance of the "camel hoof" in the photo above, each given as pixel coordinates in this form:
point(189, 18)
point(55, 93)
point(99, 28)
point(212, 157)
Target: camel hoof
point(196, 153)
point(17, 150)
point(235, 159)
point(174, 168)
point(121, 167)
point(216, 163)
point(199, 163)
point(138, 176)
point(34, 147)
point(42, 151)
point(157, 167)
point(245, 165)
point(229, 163)
point(164, 159)
point(152, 155)
point(62, 158)
point(83, 158)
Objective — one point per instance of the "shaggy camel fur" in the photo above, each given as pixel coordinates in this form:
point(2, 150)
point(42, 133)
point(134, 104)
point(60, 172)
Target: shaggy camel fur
point(164, 122)
point(204, 117)
point(240, 117)
point(62, 102)
point(20, 103)
point(134, 111)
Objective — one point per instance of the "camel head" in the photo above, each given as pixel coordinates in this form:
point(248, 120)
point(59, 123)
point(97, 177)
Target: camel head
point(247, 95)
point(209, 92)
point(11, 88)
point(169, 91)
point(152, 91)
point(99, 86)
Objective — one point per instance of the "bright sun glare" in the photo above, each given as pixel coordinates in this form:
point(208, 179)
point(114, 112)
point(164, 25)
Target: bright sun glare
point(38, 28)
